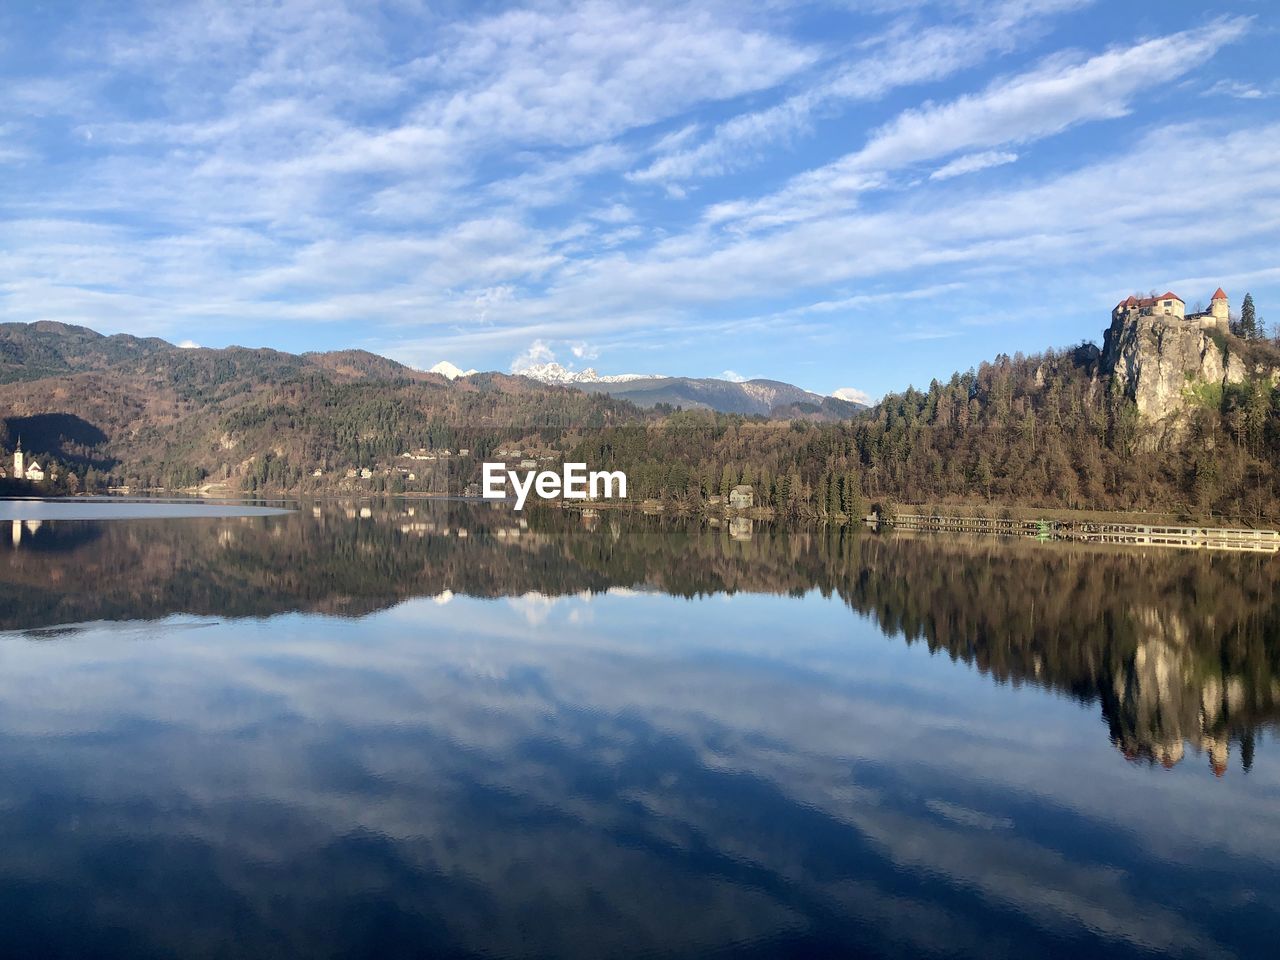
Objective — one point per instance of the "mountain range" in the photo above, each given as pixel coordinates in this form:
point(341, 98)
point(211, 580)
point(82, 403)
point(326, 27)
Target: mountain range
point(143, 412)
point(765, 398)
point(1168, 414)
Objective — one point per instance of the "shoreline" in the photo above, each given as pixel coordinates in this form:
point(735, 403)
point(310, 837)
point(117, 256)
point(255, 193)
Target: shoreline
point(978, 516)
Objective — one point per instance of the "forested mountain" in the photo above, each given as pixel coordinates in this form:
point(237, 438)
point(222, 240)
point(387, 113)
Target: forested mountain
point(141, 412)
point(32, 351)
point(1165, 417)
point(1054, 430)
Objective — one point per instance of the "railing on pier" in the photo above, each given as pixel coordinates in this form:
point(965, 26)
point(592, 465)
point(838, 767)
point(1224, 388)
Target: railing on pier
point(1156, 535)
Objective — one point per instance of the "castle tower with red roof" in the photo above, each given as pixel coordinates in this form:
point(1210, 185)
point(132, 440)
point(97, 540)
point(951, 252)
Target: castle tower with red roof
point(1220, 309)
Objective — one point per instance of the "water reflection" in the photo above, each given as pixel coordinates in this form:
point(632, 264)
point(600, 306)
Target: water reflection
point(1178, 648)
point(620, 735)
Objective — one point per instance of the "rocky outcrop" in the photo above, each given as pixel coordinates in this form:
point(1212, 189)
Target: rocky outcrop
point(1168, 366)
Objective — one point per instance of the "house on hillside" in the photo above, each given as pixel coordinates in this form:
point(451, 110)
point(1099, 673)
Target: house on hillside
point(742, 497)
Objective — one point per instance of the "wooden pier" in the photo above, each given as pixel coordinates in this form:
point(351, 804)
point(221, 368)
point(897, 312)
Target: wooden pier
point(1152, 535)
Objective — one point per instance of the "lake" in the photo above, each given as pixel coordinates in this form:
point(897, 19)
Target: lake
point(405, 729)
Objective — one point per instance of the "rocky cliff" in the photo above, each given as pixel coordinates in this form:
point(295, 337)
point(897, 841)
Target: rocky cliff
point(1170, 366)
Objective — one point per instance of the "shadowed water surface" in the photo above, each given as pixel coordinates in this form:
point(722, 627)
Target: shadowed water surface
point(406, 729)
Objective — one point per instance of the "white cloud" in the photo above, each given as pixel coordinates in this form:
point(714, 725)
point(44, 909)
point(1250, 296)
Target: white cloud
point(617, 213)
point(905, 54)
point(546, 183)
point(853, 395)
point(1217, 183)
point(1045, 101)
point(537, 352)
point(587, 73)
point(1239, 90)
point(491, 298)
point(972, 163)
point(290, 170)
point(189, 345)
point(1221, 183)
point(1059, 94)
point(733, 376)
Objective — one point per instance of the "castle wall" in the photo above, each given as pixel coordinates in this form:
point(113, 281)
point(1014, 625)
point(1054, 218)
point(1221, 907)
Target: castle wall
point(1208, 321)
point(1171, 308)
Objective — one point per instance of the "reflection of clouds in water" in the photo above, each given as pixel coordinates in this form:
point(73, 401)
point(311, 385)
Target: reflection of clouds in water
point(966, 817)
point(1041, 884)
point(667, 754)
point(534, 608)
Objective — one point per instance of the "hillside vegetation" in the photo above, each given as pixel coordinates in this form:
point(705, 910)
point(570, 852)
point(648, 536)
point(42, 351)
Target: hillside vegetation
point(1050, 430)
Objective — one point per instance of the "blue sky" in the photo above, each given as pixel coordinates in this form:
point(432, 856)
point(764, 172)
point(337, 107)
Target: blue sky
point(846, 195)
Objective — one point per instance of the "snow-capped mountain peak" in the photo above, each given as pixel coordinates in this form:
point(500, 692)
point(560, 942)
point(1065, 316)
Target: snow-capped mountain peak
point(553, 372)
point(450, 371)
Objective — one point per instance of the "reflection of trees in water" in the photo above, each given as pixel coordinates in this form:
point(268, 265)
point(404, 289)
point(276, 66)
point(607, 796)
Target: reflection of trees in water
point(1171, 692)
point(1179, 648)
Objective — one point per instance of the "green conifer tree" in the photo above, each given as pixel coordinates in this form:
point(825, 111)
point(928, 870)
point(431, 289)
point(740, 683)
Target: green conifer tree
point(1248, 319)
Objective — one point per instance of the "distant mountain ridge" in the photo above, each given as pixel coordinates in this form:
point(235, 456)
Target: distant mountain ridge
point(555, 373)
point(760, 397)
point(766, 398)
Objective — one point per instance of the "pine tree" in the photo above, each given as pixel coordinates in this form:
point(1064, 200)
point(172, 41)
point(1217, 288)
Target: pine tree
point(1248, 319)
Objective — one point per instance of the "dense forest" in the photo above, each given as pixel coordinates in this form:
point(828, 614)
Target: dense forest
point(1050, 430)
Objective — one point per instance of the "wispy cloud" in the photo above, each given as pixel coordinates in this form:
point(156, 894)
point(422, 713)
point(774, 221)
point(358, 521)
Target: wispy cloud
point(1241, 91)
point(899, 57)
point(1045, 101)
point(1057, 95)
point(311, 173)
point(972, 163)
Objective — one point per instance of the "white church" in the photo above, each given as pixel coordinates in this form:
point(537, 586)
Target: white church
point(22, 470)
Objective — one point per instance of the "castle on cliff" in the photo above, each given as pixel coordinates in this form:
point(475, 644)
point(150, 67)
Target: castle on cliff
point(1172, 306)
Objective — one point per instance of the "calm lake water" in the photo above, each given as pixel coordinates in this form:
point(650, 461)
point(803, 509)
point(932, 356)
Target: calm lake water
point(434, 729)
